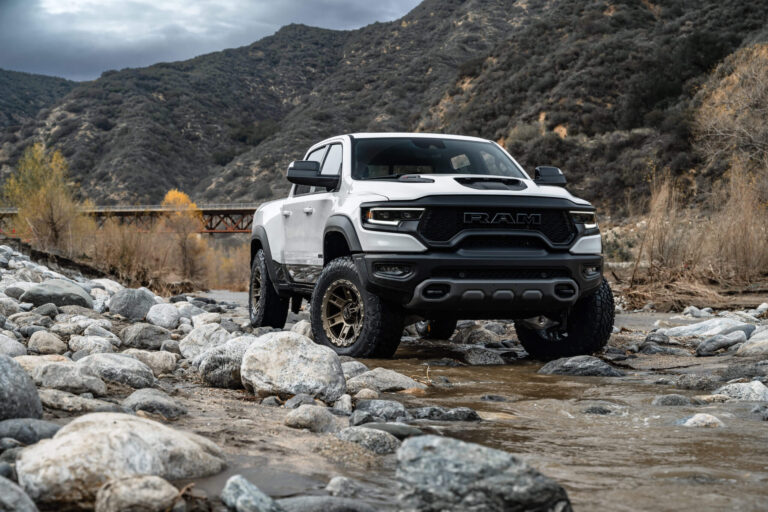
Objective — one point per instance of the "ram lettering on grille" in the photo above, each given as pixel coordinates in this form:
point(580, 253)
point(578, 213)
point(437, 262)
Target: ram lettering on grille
point(525, 219)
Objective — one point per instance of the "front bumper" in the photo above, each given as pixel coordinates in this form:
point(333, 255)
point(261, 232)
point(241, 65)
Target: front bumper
point(479, 287)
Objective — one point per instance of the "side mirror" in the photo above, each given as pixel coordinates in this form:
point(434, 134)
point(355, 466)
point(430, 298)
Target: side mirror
point(307, 172)
point(546, 175)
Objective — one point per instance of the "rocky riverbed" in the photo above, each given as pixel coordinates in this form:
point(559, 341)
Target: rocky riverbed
point(114, 398)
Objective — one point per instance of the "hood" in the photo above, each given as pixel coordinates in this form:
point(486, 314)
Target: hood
point(450, 185)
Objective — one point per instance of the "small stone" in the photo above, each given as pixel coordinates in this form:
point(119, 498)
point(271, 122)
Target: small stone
point(271, 401)
point(205, 318)
point(583, 366)
point(170, 346)
point(493, 398)
point(324, 504)
point(133, 304)
point(44, 342)
point(311, 417)
point(672, 400)
point(120, 369)
point(697, 382)
point(154, 401)
point(304, 328)
point(160, 362)
point(599, 410)
point(18, 395)
point(382, 380)
point(387, 410)
point(242, 496)
point(711, 346)
point(90, 345)
point(344, 404)
point(442, 414)
point(27, 430)
point(479, 356)
point(360, 418)
point(299, 400)
point(353, 369)
point(366, 394)
point(144, 336)
point(68, 402)
point(49, 310)
point(69, 377)
point(164, 315)
point(11, 348)
point(139, 493)
point(399, 430)
point(377, 441)
point(702, 420)
point(342, 486)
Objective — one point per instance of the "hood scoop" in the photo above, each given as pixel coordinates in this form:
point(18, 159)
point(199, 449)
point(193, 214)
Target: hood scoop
point(491, 183)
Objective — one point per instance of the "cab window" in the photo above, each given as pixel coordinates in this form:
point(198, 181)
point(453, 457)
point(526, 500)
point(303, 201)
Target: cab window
point(315, 156)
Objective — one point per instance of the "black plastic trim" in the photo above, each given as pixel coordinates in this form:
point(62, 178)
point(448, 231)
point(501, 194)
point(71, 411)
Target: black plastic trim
point(342, 224)
point(260, 234)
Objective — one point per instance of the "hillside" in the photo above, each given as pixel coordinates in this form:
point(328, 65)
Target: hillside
point(23, 95)
point(605, 89)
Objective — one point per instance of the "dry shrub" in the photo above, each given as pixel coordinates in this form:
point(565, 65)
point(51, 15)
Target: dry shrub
point(228, 268)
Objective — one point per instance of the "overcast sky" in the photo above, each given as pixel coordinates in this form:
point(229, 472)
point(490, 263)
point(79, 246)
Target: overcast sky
point(79, 39)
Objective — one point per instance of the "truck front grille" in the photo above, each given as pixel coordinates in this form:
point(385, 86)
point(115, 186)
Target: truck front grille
point(502, 273)
point(440, 224)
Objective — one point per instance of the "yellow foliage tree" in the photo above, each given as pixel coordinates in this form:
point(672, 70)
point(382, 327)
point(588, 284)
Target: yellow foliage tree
point(48, 214)
point(185, 221)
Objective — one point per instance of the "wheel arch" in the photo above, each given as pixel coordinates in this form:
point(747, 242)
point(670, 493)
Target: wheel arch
point(259, 240)
point(339, 238)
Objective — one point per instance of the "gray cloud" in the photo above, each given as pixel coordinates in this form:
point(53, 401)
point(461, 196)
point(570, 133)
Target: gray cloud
point(79, 39)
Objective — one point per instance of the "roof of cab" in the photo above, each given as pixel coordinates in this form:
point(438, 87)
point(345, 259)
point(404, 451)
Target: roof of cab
point(384, 135)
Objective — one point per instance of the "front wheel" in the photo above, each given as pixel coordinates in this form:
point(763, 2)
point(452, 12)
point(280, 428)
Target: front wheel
point(266, 307)
point(350, 320)
point(589, 326)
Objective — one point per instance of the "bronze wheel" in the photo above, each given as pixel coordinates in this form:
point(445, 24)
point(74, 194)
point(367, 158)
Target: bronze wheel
point(266, 307)
point(255, 289)
point(343, 313)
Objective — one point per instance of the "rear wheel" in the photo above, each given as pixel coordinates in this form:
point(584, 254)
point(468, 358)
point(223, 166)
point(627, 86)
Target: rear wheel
point(348, 319)
point(589, 326)
point(266, 307)
point(439, 329)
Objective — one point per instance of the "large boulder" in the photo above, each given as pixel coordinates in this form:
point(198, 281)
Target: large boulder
point(146, 336)
point(287, 363)
point(582, 366)
point(138, 493)
point(746, 391)
point(164, 315)
point(10, 347)
point(69, 377)
point(18, 395)
point(220, 365)
point(13, 498)
point(201, 339)
point(382, 379)
point(120, 369)
point(440, 473)
point(131, 303)
point(91, 450)
point(59, 292)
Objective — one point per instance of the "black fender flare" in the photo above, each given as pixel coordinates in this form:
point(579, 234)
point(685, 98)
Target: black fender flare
point(342, 224)
point(259, 234)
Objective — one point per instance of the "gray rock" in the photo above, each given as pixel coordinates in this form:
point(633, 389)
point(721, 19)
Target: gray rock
point(299, 400)
point(154, 401)
point(286, 363)
point(324, 504)
point(173, 346)
point(382, 379)
point(44, 342)
point(18, 395)
point(658, 338)
point(702, 420)
point(650, 348)
point(58, 292)
point(304, 328)
point(344, 405)
point(672, 400)
point(201, 339)
point(360, 418)
point(583, 366)
point(68, 402)
point(50, 310)
point(762, 411)
point(8, 307)
point(101, 332)
point(220, 366)
point(440, 473)
point(711, 346)
point(69, 377)
point(29, 319)
point(90, 345)
point(16, 290)
point(97, 448)
point(187, 310)
point(144, 336)
point(27, 430)
point(708, 328)
point(160, 362)
point(119, 368)
point(697, 382)
point(313, 418)
point(479, 356)
point(11, 348)
point(242, 496)
point(13, 498)
point(399, 430)
point(271, 401)
point(206, 318)
point(133, 304)
point(435, 413)
point(386, 410)
point(599, 410)
point(139, 493)
point(7, 471)
point(342, 486)
point(353, 369)
point(375, 440)
point(28, 330)
point(747, 391)
point(754, 347)
point(164, 315)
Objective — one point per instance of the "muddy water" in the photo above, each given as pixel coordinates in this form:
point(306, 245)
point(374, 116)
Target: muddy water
point(637, 458)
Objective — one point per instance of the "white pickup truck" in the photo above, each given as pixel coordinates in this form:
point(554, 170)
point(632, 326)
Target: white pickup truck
point(381, 230)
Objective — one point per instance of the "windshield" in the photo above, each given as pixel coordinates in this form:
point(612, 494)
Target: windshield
point(385, 158)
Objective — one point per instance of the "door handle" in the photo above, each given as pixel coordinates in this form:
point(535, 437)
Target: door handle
point(309, 210)
point(287, 213)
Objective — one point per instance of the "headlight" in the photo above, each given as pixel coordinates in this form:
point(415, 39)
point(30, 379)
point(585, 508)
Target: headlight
point(391, 216)
point(587, 219)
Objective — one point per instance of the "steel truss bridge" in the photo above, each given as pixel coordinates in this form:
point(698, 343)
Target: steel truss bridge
point(219, 218)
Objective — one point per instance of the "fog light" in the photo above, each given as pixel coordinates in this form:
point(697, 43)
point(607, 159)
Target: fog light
point(392, 270)
point(591, 270)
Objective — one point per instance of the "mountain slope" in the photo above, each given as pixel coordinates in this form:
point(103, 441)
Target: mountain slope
point(23, 95)
point(605, 89)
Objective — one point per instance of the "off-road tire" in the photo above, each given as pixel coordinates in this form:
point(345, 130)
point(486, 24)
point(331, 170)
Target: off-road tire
point(590, 324)
point(436, 329)
point(270, 310)
point(381, 324)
